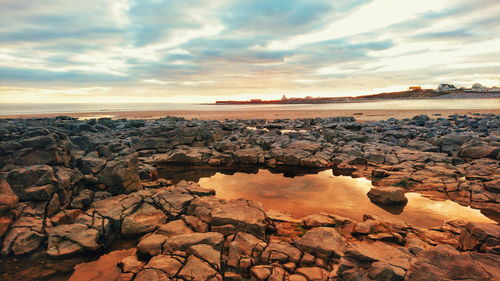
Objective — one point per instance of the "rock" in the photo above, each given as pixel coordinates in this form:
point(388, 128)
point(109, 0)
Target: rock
point(20, 241)
point(207, 253)
point(324, 219)
point(8, 199)
point(325, 242)
point(91, 163)
point(261, 272)
point(280, 251)
point(379, 252)
point(151, 244)
point(146, 219)
point(82, 200)
point(387, 196)
point(313, 273)
point(484, 237)
point(70, 239)
point(121, 175)
point(242, 215)
point(493, 186)
point(170, 265)
point(184, 241)
point(151, 274)
point(33, 182)
point(196, 269)
point(174, 228)
point(444, 262)
point(479, 150)
point(131, 264)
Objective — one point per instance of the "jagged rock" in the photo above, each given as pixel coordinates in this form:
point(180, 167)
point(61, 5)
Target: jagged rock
point(324, 219)
point(174, 228)
point(151, 244)
point(325, 242)
point(242, 215)
point(82, 200)
point(33, 182)
point(444, 262)
point(169, 265)
point(379, 252)
point(197, 270)
point(8, 199)
point(313, 273)
point(20, 241)
point(484, 237)
point(195, 223)
point(121, 175)
point(91, 163)
point(280, 251)
point(184, 241)
point(387, 195)
point(152, 274)
point(207, 253)
point(131, 264)
point(71, 238)
point(479, 150)
point(146, 219)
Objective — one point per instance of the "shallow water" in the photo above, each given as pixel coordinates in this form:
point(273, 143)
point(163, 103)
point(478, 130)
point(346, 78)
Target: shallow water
point(27, 108)
point(341, 195)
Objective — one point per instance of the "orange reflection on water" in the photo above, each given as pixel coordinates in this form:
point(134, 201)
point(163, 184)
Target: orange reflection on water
point(340, 195)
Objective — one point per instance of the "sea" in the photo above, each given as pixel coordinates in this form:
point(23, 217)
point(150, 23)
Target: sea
point(416, 104)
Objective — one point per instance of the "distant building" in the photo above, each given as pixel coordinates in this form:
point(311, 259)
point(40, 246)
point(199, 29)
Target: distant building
point(283, 98)
point(415, 88)
point(446, 87)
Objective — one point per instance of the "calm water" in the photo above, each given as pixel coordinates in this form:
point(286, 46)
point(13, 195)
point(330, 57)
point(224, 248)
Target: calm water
point(323, 192)
point(27, 108)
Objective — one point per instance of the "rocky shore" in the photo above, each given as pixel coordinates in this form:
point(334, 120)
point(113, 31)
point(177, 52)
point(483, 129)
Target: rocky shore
point(71, 187)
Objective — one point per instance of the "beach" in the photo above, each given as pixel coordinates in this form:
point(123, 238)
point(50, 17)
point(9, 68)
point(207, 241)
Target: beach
point(361, 115)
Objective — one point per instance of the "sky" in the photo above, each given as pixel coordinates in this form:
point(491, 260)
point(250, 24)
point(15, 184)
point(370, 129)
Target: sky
point(68, 51)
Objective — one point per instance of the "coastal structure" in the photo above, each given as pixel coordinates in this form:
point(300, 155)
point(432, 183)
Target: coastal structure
point(413, 92)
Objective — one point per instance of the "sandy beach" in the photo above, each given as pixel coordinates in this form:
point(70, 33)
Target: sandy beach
point(361, 115)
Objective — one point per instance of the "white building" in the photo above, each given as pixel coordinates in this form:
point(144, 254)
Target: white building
point(446, 87)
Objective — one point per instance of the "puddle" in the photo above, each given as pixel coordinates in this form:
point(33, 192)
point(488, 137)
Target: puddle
point(95, 117)
point(283, 131)
point(39, 266)
point(341, 195)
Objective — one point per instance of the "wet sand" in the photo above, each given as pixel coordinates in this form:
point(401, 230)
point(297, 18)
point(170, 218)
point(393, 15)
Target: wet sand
point(361, 115)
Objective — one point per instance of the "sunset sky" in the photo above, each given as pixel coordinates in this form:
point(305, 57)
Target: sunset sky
point(64, 51)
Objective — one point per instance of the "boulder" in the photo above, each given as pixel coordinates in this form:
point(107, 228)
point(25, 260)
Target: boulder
point(196, 269)
point(146, 219)
point(280, 251)
point(387, 196)
point(479, 150)
point(324, 242)
point(444, 262)
point(184, 241)
point(242, 215)
point(484, 237)
point(121, 175)
point(168, 264)
point(70, 239)
point(8, 199)
point(21, 240)
point(33, 182)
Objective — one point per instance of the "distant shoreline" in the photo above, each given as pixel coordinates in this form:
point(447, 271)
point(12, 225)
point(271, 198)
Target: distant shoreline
point(406, 95)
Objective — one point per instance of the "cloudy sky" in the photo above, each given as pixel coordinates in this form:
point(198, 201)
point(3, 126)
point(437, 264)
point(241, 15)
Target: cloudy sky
point(200, 50)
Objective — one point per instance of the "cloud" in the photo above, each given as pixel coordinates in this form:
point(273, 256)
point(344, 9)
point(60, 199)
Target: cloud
point(245, 48)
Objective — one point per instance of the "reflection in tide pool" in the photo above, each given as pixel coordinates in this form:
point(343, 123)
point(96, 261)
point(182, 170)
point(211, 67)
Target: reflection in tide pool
point(340, 195)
